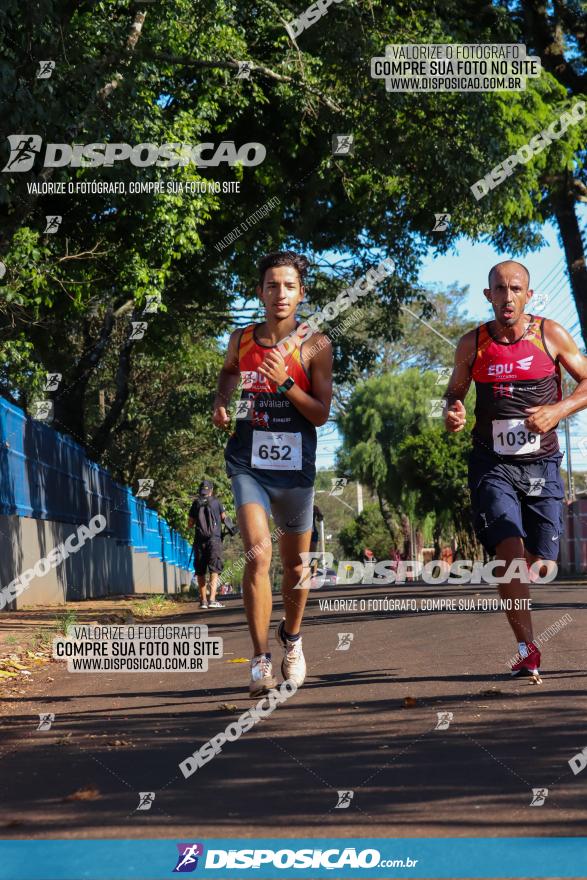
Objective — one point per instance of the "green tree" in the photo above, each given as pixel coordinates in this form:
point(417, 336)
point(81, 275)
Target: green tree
point(368, 529)
point(381, 413)
point(429, 333)
point(165, 72)
point(433, 464)
point(167, 433)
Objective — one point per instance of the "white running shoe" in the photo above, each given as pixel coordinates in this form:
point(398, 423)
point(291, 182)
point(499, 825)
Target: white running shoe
point(262, 680)
point(216, 605)
point(293, 664)
point(203, 606)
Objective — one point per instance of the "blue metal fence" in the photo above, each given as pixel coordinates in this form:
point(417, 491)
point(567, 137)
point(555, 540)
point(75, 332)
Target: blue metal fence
point(47, 475)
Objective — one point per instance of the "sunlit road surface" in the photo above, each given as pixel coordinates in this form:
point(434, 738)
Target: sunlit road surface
point(366, 722)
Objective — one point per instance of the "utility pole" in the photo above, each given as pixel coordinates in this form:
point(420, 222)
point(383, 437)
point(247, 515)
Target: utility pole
point(568, 387)
point(570, 478)
point(322, 545)
point(359, 498)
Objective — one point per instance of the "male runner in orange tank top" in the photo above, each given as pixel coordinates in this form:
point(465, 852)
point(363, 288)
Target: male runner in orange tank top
point(271, 456)
point(514, 469)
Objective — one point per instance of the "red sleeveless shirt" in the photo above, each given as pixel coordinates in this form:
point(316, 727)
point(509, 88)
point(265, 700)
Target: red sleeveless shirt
point(509, 378)
point(272, 440)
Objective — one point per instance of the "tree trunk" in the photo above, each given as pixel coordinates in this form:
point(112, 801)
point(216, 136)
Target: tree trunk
point(69, 401)
point(69, 412)
point(418, 541)
point(101, 438)
point(563, 200)
point(407, 533)
point(387, 515)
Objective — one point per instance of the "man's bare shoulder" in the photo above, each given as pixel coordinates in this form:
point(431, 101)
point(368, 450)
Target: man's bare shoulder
point(470, 337)
point(467, 344)
point(235, 336)
point(555, 332)
point(231, 360)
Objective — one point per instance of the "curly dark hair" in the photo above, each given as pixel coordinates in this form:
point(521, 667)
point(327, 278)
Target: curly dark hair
point(284, 258)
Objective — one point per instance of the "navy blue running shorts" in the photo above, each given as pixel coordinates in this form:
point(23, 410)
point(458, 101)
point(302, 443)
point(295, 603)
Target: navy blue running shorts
point(513, 500)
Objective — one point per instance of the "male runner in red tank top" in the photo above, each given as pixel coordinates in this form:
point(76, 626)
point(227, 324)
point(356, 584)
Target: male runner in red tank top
point(514, 469)
point(271, 456)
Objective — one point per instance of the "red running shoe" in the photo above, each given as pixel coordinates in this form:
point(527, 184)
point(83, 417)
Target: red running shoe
point(529, 665)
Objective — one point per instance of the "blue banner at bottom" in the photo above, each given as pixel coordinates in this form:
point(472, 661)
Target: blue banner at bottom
point(224, 859)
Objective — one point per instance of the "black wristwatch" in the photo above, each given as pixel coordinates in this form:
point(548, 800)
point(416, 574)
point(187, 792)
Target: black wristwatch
point(289, 383)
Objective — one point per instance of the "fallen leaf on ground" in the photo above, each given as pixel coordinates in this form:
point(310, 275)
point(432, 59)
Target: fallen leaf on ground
point(409, 702)
point(118, 743)
point(238, 660)
point(228, 707)
point(5, 674)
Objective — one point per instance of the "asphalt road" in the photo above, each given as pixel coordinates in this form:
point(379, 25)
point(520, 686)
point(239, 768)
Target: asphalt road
point(365, 721)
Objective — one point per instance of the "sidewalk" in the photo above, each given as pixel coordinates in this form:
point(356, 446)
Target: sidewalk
point(26, 636)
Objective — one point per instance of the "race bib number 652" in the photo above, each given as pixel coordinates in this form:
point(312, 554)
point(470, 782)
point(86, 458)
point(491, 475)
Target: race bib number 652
point(277, 451)
point(512, 437)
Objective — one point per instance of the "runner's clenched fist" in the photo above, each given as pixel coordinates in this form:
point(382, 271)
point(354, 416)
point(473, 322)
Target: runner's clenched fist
point(455, 417)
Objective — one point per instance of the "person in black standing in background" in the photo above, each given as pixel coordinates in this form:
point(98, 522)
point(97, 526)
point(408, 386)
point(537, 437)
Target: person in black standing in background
point(317, 517)
point(207, 515)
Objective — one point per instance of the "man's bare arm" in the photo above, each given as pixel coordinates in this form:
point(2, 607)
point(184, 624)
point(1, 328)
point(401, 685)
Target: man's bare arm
point(316, 406)
point(459, 383)
point(227, 381)
point(563, 348)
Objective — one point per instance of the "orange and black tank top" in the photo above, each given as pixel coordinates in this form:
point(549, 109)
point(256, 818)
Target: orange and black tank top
point(509, 378)
point(272, 440)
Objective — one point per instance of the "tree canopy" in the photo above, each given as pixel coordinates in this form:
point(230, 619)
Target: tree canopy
point(161, 73)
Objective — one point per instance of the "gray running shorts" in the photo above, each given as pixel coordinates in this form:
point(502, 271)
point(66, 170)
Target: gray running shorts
point(292, 509)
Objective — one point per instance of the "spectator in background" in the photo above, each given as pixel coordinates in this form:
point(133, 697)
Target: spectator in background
point(206, 517)
point(317, 516)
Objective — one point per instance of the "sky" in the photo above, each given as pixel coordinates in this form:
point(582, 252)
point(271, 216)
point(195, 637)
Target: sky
point(468, 264)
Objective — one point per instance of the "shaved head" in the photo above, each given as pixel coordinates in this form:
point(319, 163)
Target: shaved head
point(509, 293)
point(508, 263)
